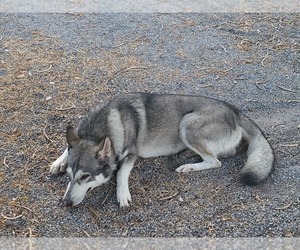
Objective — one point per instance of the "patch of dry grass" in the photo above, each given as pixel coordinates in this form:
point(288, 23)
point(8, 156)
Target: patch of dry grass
point(42, 85)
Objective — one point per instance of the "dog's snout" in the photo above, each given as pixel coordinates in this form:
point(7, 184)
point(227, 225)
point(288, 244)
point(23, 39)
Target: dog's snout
point(67, 203)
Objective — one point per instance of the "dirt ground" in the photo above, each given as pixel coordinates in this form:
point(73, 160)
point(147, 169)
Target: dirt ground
point(54, 66)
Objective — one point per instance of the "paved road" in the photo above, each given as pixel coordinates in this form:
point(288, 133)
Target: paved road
point(22, 6)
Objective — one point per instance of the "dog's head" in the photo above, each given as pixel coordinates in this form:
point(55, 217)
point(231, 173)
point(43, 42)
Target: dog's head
point(89, 165)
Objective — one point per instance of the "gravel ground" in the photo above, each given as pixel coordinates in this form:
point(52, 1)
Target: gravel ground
point(54, 66)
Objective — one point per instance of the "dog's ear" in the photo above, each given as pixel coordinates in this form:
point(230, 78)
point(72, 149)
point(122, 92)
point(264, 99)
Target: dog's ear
point(72, 138)
point(104, 149)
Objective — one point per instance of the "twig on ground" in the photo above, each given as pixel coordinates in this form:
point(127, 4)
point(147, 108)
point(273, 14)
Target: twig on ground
point(125, 233)
point(257, 198)
point(276, 125)
point(126, 42)
point(285, 207)
point(242, 206)
point(16, 205)
point(206, 86)
point(30, 232)
point(122, 71)
point(94, 213)
point(224, 49)
point(4, 162)
point(64, 109)
point(86, 233)
point(286, 89)
point(169, 197)
point(262, 81)
point(290, 145)
point(226, 70)
point(45, 134)
point(54, 36)
point(45, 70)
point(105, 198)
point(12, 218)
point(263, 60)
point(205, 68)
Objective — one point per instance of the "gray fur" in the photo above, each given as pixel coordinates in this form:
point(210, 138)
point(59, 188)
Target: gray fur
point(114, 134)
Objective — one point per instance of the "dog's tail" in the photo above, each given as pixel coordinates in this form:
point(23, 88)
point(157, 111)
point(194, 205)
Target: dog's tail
point(260, 154)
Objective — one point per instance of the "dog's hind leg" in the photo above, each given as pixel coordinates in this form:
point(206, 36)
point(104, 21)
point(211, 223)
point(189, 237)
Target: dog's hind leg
point(59, 166)
point(208, 138)
point(123, 193)
point(209, 161)
point(187, 154)
point(230, 153)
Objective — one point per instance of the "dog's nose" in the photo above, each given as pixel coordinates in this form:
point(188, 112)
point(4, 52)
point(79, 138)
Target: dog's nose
point(67, 203)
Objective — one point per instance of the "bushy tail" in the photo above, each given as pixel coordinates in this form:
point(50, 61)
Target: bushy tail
point(260, 154)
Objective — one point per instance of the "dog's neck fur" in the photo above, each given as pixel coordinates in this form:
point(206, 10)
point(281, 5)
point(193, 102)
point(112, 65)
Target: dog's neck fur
point(94, 124)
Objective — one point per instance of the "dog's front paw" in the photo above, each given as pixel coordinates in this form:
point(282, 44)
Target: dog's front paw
point(58, 166)
point(124, 197)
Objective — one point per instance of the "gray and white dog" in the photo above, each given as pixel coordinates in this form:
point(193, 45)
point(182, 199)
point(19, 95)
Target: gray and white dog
point(111, 136)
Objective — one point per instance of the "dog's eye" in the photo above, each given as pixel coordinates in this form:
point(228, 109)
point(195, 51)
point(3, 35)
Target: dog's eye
point(84, 177)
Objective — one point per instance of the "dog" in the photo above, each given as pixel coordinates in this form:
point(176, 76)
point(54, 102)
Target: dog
point(111, 136)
